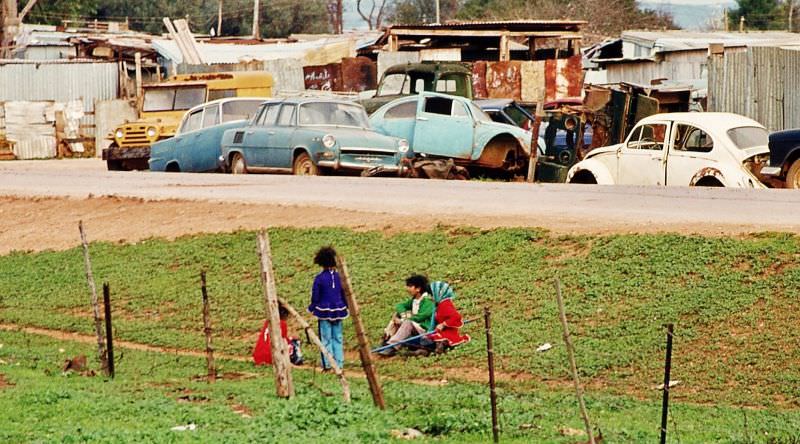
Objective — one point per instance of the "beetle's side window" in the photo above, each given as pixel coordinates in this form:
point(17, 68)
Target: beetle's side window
point(689, 138)
point(405, 110)
point(648, 137)
point(459, 110)
point(286, 117)
point(268, 117)
point(438, 105)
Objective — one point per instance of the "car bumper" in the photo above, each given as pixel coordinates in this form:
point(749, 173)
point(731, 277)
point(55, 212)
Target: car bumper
point(771, 171)
point(118, 153)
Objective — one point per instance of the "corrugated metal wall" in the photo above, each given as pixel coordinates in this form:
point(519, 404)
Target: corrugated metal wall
point(761, 83)
point(56, 81)
point(60, 82)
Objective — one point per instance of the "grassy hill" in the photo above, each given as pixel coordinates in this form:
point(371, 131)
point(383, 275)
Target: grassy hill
point(733, 302)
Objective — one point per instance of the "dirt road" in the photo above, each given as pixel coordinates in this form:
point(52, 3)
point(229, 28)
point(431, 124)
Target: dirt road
point(41, 202)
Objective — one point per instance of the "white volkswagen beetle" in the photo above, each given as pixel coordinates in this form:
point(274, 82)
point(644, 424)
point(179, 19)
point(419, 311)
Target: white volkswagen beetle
point(681, 149)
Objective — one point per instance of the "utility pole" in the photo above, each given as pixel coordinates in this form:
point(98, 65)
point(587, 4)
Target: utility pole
point(726, 21)
point(339, 19)
point(791, 13)
point(219, 19)
point(10, 23)
point(256, 30)
point(438, 13)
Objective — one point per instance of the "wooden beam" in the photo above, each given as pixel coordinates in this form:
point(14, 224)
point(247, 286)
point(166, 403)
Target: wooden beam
point(26, 9)
point(363, 342)
point(476, 33)
point(280, 352)
point(505, 52)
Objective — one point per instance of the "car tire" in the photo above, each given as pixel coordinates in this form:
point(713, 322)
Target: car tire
point(793, 175)
point(303, 166)
point(114, 165)
point(238, 165)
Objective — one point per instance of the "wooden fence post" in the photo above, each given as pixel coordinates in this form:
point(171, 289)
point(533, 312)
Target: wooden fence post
point(109, 334)
point(280, 354)
point(665, 400)
point(212, 371)
point(533, 159)
point(101, 353)
point(315, 339)
point(487, 316)
point(573, 366)
point(363, 342)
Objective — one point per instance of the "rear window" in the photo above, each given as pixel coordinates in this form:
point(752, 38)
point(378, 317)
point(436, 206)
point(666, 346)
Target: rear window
point(748, 137)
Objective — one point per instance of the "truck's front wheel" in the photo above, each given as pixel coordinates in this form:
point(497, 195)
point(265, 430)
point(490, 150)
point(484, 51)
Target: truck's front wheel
point(793, 175)
point(114, 165)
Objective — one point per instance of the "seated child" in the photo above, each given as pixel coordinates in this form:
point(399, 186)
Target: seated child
point(448, 320)
point(262, 355)
point(412, 317)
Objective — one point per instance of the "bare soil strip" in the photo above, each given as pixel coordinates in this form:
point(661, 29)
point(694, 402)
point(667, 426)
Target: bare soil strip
point(46, 223)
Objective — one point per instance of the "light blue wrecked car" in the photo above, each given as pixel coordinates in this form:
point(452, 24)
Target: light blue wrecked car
point(196, 146)
point(450, 127)
point(311, 136)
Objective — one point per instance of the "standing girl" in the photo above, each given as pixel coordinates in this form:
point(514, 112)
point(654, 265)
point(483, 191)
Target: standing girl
point(329, 306)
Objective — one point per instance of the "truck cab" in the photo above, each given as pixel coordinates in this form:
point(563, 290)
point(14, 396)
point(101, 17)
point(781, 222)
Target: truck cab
point(452, 78)
point(162, 105)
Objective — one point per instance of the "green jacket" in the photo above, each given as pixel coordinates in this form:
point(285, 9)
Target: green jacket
point(424, 314)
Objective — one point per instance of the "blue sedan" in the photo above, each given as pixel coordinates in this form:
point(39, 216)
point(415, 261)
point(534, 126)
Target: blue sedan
point(196, 145)
point(311, 136)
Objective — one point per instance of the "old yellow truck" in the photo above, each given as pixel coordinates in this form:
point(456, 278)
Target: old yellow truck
point(162, 105)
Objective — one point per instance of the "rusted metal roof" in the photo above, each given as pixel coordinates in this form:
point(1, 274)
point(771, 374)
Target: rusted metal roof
point(505, 25)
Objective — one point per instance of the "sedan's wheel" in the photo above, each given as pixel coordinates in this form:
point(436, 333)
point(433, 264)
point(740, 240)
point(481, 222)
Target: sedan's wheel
point(303, 166)
point(793, 176)
point(237, 164)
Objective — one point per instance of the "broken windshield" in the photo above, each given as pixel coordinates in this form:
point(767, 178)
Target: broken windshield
point(332, 113)
point(173, 99)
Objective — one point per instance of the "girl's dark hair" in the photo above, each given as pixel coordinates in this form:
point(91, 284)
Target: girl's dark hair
point(326, 257)
point(417, 280)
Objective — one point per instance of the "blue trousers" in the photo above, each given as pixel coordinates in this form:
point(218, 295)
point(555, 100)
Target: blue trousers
point(330, 333)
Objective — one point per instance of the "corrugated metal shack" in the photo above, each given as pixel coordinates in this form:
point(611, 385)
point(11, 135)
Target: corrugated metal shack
point(45, 88)
point(527, 60)
point(672, 57)
point(759, 82)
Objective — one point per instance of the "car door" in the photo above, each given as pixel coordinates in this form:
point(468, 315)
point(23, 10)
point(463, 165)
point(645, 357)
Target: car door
point(203, 152)
point(187, 139)
point(256, 137)
point(279, 153)
point(641, 160)
point(443, 127)
point(691, 151)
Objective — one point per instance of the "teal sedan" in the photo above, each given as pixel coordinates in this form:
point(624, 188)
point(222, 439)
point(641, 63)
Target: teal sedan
point(311, 136)
point(452, 127)
point(196, 144)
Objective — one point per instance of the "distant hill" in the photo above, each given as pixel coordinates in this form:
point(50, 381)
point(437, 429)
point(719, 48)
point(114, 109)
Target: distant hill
point(694, 16)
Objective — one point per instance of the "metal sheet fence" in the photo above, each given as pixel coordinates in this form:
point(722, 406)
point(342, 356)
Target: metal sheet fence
point(760, 83)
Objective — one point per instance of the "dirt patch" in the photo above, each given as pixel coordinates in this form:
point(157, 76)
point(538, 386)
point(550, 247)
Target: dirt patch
point(4, 383)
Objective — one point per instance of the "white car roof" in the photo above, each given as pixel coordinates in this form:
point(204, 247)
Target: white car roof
point(720, 121)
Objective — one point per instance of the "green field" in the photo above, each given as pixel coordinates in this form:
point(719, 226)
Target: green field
point(733, 302)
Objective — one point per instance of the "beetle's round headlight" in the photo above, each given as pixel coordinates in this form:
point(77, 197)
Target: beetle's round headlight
point(119, 134)
point(328, 141)
point(151, 132)
point(402, 146)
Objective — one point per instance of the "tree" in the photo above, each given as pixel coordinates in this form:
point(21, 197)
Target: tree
point(605, 18)
point(373, 18)
point(758, 14)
